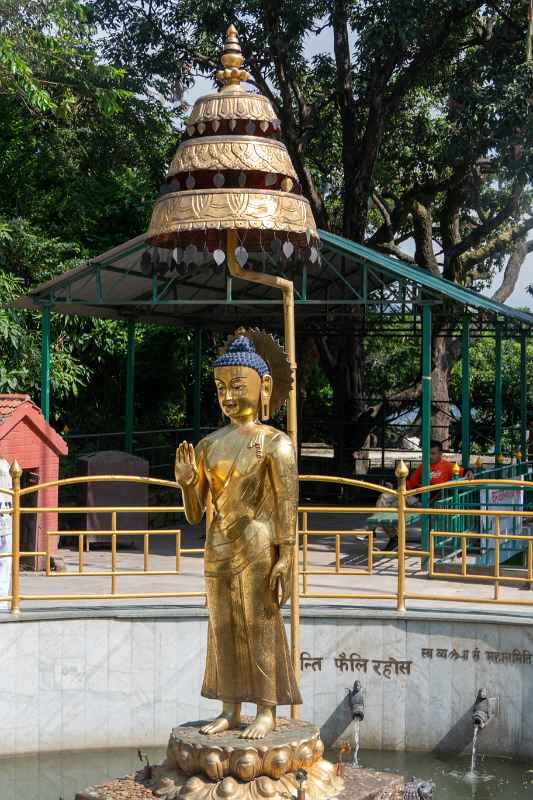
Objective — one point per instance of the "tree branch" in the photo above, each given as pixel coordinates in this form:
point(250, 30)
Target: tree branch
point(512, 272)
point(450, 228)
point(326, 358)
point(423, 235)
point(262, 85)
point(382, 208)
point(426, 54)
point(423, 192)
point(482, 231)
point(510, 21)
point(347, 113)
point(392, 249)
point(497, 244)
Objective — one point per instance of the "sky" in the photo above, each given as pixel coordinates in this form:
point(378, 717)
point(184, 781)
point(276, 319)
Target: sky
point(323, 43)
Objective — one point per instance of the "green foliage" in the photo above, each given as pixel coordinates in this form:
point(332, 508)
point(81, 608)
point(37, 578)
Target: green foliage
point(27, 254)
point(426, 110)
point(48, 61)
point(81, 159)
point(85, 164)
point(32, 255)
point(20, 362)
point(394, 356)
point(18, 78)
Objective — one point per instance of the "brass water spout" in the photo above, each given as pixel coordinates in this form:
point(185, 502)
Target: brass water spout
point(356, 700)
point(485, 708)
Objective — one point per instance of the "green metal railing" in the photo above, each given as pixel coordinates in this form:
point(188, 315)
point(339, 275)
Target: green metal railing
point(468, 498)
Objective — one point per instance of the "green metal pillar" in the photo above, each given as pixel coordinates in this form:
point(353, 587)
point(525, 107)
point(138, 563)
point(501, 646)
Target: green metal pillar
point(465, 394)
point(45, 363)
point(523, 394)
point(426, 414)
point(498, 394)
point(197, 386)
point(130, 388)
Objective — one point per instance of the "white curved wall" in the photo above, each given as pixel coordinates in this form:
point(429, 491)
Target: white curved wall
point(125, 677)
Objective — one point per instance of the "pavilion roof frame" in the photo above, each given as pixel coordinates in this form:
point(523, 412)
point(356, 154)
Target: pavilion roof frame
point(426, 279)
point(112, 285)
point(394, 298)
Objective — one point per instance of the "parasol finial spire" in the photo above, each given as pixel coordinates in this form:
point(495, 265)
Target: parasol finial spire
point(232, 60)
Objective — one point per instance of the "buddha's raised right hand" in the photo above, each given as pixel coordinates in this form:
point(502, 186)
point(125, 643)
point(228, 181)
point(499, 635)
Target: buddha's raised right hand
point(185, 469)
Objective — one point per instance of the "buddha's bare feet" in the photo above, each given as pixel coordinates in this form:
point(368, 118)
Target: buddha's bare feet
point(228, 720)
point(264, 722)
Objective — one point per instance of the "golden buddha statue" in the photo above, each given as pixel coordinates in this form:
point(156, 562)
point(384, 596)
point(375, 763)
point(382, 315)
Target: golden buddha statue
point(251, 472)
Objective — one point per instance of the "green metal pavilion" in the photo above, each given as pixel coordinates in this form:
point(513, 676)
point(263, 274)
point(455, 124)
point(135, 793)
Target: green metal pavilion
point(351, 285)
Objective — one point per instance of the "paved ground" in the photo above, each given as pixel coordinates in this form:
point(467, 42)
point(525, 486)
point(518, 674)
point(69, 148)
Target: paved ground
point(382, 582)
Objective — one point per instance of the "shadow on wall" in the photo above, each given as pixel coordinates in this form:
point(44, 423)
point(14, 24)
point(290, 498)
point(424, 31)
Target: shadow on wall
point(338, 724)
point(459, 737)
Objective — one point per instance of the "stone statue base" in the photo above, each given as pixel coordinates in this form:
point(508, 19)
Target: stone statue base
point(224, 767)
point(360, 784)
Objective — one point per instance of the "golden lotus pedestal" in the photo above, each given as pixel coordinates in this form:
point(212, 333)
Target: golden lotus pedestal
point(226, 767)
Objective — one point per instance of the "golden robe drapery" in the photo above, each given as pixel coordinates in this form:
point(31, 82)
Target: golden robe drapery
point(253, 479)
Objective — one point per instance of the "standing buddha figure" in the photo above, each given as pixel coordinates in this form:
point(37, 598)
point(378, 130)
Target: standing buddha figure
point(250, 470)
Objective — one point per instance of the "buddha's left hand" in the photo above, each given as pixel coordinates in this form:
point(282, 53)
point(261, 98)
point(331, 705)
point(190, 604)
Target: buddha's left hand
point(280, 577)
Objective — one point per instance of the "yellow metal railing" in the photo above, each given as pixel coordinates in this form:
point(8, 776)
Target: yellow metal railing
point(342, 535)
point(16, 554)
point(400, 513)
point(396, 592)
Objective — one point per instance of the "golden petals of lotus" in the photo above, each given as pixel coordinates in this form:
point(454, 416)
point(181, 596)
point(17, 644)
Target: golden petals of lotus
point(246, 762)
point(321, 783)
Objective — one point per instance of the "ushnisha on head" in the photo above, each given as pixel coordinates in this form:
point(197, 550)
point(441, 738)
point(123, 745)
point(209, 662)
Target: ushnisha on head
point(243, 381)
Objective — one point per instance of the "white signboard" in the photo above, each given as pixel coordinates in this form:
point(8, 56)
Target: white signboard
point(5, 532)
point(502, 499)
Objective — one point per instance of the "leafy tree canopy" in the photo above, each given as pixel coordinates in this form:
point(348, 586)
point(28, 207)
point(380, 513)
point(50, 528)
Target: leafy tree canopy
point(415, 128)
point(82, 156)
point(423, 106)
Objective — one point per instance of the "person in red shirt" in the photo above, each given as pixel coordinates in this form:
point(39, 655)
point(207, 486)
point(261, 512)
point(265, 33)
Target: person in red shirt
point(440, 470)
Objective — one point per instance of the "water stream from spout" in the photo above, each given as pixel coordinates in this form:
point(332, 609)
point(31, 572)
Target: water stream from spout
point(474, 747)
point(356, 726)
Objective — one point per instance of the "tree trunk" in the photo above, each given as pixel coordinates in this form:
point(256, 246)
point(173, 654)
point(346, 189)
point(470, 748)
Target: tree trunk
point(343, 359)
point(446, 351)
point(440, 418)
point(348, 404)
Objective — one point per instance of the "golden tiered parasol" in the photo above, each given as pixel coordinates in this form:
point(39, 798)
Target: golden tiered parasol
point(231, 172)
point(232, 197)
